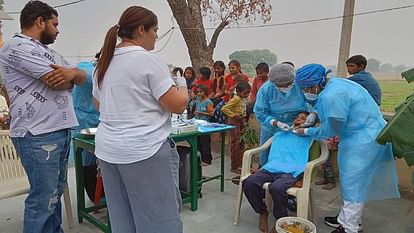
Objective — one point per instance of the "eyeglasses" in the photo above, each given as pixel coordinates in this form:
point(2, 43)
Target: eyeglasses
point(286, 87)
point(311, 90)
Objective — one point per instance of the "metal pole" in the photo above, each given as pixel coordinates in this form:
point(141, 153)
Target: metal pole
point(346, 34)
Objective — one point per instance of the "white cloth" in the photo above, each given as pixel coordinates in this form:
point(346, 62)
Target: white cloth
point(4, 110)
point(350, 216)
point(133, 124)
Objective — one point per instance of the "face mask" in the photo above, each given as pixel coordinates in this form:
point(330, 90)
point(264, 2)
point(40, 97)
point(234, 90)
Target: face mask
point(311, 97)
point(284, 89)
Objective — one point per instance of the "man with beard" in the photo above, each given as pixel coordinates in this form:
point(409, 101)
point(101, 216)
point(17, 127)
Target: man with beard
point(38, 81)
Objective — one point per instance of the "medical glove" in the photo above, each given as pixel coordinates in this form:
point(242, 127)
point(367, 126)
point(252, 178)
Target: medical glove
point(310, 121)
point(181, 82)
point(283, 126)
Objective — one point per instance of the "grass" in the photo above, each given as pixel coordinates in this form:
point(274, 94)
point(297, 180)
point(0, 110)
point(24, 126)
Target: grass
point(394, 92)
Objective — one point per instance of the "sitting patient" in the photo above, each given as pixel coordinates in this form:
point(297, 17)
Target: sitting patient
point(287, 160)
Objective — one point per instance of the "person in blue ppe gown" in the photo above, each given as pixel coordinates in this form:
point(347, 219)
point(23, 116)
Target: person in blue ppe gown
point(88, 117)
point(366, 169)
point(278, 101)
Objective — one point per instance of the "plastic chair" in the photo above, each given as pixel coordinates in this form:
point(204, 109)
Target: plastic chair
point(13, 178)
point(302, 194)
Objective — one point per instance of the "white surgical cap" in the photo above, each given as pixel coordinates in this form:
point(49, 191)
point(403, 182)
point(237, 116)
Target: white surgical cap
point(282, 74)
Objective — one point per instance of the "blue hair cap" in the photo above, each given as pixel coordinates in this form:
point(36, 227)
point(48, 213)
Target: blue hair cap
point(311, 75)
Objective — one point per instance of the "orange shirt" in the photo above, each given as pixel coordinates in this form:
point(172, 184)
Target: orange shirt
point(231, 84)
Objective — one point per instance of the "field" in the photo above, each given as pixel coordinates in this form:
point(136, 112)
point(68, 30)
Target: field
point(394, 92)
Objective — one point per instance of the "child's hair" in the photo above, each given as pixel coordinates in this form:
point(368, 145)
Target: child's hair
point(204, 88)
point(205, 71)
point(243, 86)
point(262, 66)
point(303, 112)
point(357, 60)
point(239, 78)
point(192, 71)
point(234, 62)
point(178, 69)
point(289, 63)
point(219, 64)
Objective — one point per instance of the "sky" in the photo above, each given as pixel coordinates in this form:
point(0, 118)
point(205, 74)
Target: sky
point(385, 36)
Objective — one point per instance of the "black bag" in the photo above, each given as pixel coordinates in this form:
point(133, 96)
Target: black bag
point(185, 169)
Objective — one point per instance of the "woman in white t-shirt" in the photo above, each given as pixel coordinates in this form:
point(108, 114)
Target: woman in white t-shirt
point(136, 95)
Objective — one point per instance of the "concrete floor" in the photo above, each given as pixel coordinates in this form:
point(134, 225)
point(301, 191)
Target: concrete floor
point(216, 211)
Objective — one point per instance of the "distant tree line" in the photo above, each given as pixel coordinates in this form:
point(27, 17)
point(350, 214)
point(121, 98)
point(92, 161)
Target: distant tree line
point(375, 65)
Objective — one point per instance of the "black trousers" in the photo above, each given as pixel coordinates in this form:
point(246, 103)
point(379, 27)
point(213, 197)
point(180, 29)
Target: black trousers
point(204, 146)
point(280, 183)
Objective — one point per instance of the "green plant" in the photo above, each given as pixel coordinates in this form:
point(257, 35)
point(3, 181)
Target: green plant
point(249, 136)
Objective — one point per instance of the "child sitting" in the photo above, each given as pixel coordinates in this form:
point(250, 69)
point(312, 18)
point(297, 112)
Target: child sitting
point(204, 110)
point(235, 110)
point(287, 160)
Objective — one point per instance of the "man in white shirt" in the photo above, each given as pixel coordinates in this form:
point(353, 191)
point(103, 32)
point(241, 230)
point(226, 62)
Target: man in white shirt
point(38, 82)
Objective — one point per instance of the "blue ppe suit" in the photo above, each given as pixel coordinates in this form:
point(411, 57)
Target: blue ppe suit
point(367, 169)
point(87, 115)
point(271, 104)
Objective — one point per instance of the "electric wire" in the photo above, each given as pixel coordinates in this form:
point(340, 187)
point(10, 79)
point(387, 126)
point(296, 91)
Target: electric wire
point(57, 6)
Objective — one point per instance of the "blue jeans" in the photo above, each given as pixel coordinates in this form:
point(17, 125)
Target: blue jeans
point(45, 160)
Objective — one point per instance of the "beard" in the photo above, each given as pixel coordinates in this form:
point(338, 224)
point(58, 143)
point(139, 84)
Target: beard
point(46, 37)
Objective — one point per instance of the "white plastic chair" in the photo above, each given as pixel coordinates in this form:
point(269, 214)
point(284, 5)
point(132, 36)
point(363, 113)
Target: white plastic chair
point(303, 194)
point(13, 178)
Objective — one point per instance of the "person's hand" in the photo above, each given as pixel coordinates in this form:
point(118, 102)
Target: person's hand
point(310, 120)
point(181, 82)
point(282, 126)
point(60, 75)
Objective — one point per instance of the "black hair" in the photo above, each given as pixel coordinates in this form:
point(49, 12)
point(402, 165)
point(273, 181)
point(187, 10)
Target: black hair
point(289, 63)
point(192, 71)
point(243, 86)
point(262, 66)
point(205, 71)
point(304, 112)
point(204, 88)
point(33, 10)
point(178, 69)
point(357, 60)
point(234, 62)
point(219, 64)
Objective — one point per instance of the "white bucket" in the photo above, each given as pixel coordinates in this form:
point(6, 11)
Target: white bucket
point(289, 220)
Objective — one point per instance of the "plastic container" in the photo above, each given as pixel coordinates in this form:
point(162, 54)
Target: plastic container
point(308, 225)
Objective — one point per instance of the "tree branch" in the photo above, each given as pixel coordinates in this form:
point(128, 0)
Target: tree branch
point(219, 29)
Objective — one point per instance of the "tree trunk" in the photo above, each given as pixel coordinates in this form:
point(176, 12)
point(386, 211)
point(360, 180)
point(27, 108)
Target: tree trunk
point(189, 18)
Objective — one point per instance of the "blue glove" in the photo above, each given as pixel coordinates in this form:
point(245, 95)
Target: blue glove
point(310, 120)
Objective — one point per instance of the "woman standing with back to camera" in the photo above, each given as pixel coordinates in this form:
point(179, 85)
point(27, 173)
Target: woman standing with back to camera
point(135, 95)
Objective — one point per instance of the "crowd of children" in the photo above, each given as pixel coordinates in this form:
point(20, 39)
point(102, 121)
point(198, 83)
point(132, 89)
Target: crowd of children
point(222, 98)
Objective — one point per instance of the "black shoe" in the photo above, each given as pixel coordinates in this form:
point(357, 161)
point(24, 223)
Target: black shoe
point(332, 221)
point(292, 204)
point(339, 229)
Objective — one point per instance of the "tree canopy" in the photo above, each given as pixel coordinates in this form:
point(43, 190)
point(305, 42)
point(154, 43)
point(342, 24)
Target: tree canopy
point(250, 58)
